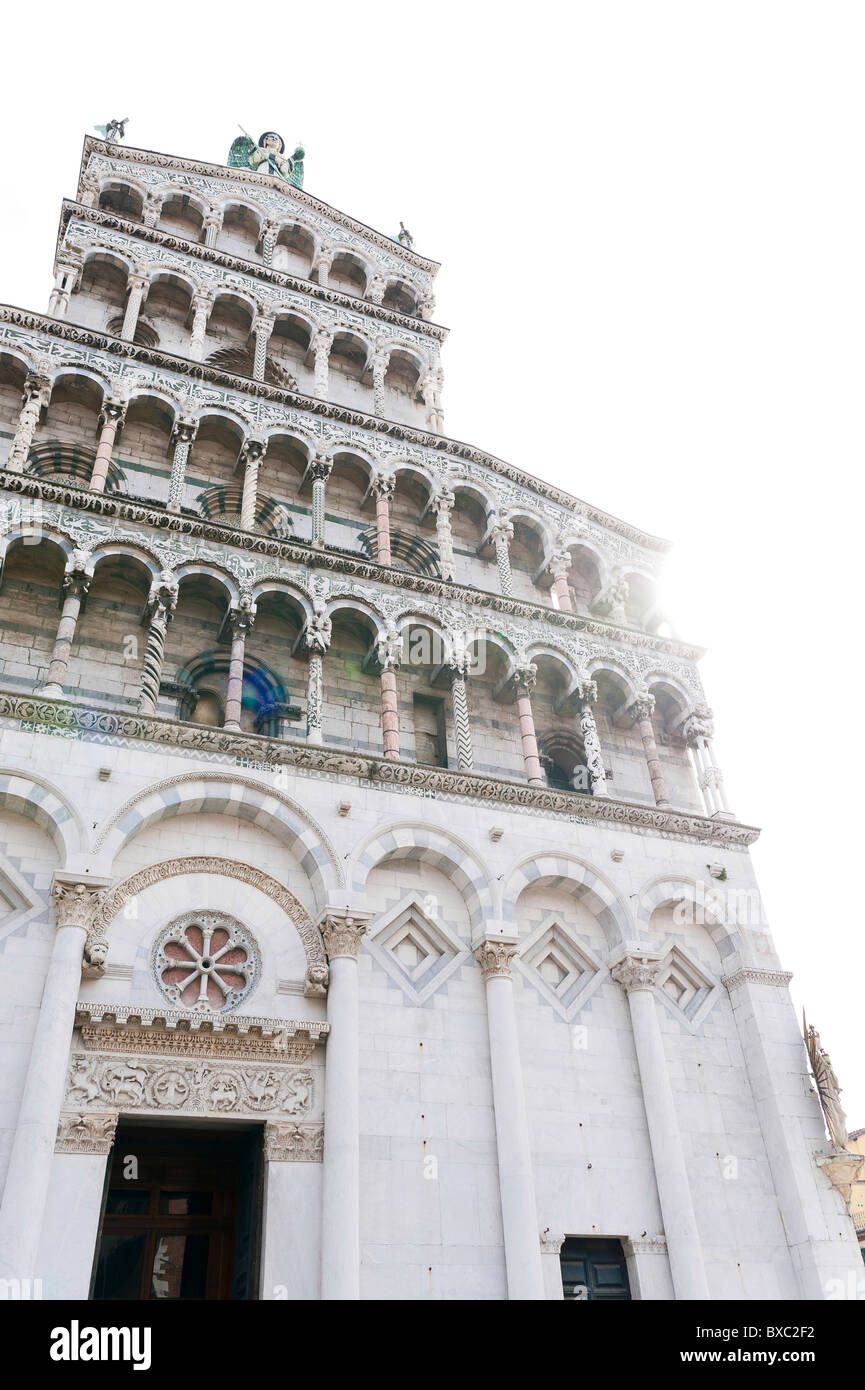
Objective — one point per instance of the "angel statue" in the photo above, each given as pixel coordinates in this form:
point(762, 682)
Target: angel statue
point(267, 157)
point(827, 1085)
point(114, 130)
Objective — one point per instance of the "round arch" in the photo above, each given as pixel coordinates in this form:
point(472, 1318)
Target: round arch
point(568, 872)
point(439, 849)
point(39, 801)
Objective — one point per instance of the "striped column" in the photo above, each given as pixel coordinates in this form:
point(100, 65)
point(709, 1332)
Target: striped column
point(462, 723)
point(138, 287)
point(268, 242)
point(261, 329)
point(524, 680)
point(251, 454)
point(502, 533)
point(317, 640)
point(641, 712)
point(76, 582)
point(160, 606)
point(181, 437)
point(240, 619)
point(111, 420)
point(320, 470)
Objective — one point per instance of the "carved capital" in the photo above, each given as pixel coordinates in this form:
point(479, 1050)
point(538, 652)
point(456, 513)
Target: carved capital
point(551, 1242)
point(383, 485)
point(636, 971)
point(91, 1133)
point(74, 903)
point(501, 530)
point(442, 502)
point(288, 1142)
point(253, 450)
point(560, 563)
point(643, 707)
point(698, 726)
point(162, 599)
point(524, 675)
point(184, 430)
point(262, 326)
point(494, 958)
point(242, 616)
point(320, 469)
point(342, 933)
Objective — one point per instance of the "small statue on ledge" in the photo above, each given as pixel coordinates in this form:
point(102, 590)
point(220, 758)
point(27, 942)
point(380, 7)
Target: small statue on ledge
point(114, 130)
point(267, 156)
point(827, 1085)
point(405, 237)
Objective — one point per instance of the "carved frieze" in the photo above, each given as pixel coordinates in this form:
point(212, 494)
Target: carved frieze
point(86, 1133)
point(286, 1142)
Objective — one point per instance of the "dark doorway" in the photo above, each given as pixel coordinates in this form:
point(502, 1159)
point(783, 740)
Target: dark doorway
point(594, 1269)
point(182, 1215)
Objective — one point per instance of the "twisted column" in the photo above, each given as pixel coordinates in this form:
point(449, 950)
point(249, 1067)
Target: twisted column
point(442, 504)
point(111, 420)
point(459, 702)
point(202, 303)
point(240, 619)
point(380, 359)
point(251, 454)
point(317, 640)
point(321, 345)
point(502, 533)
point(560, 568)
point(383, 485)
point(138, 287)
point(389, 650)
point(516, 1177)
point(26, 1191)
point(592, 748)
point(524, 680)
point(76, 582)
point(636, 973)
point(320, 470)
point(261, 328)
point(161, 604)
point(641, 712)
point(37, 392)
point(340, 1204)
point(182, 435)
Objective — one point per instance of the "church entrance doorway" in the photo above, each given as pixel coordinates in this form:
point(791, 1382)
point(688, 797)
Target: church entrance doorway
point(594, 1270)
point(182, 1215)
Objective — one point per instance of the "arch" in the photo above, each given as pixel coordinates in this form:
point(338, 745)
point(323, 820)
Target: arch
point(439, 849)
point(604, 665)
point(673, 889)
point(24, 532)
point(222, 577)
point(128, 550)
point(281, 586)
point(112, 900)
point(227, 793)
point(344, 603)
point(563, 870)
point(41, 802)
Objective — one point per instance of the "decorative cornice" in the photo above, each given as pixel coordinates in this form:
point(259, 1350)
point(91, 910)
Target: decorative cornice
point(439, 443)
point(86, 1133)
point(751, 975)
point(199, 738)
point(130, 155)
point(198, 251)
point(645, 1245)
point(333, 559)
point(287, 1142)
point(178, 1032)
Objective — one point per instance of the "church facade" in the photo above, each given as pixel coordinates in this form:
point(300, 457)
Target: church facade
point(373, 919)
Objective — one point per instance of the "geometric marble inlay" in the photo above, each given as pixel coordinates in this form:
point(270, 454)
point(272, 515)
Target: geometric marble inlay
point(560, 967)
point(418, 952)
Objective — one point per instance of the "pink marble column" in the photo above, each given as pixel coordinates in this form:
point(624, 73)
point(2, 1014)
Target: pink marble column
point(389, 648)
point(524, 679)
point(560, 565)
point(112, 422)
point(241, 620)
point(641, 712)
point(76, 582)
point(383, 488)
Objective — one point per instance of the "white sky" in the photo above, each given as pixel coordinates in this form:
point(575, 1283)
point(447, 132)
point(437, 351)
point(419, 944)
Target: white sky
point(650, 223)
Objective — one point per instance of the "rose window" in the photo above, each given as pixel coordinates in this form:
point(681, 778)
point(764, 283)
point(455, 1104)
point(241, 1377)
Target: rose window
point(206, 962)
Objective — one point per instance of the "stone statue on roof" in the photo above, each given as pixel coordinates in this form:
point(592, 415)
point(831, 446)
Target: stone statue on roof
point(267, 156)
point(404, 236)
point(114, 130)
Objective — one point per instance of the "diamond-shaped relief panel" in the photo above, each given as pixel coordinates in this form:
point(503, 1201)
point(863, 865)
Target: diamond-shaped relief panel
point(562, 969)
point(18, 901)
point(687, 989)
point(419, 952)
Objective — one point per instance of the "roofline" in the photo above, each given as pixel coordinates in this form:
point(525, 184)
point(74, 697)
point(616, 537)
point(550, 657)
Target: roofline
point(93, 143)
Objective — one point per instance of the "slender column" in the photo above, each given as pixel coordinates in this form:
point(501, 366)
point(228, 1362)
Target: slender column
point(251, 454)
point(152, 210)
point(636, 974)
point(460, 705)
point(37, 390)
point(111, 420)
point(717, 781)
point(26, 1192)
point(383, 487)
point(241, 619)
point(182, 435)
point(161, 604)
point(317, 640)
point(76, 582)
point(320, 470)
point(64, 285)
point(431, 385)
point(380, 359)
point(202, 303)
point(340, 1205)
point(641, 712)
point(524, 680)
point(212, 226)
point(426, 308)
point(560, 566)
point(88, 194)
point(376, 289)
point(616, 598)
point(321, 345)
point(323, 263)
point(389, 650)
point(592, 747)
point(268, 242)
point(551, 1260)
point(138, 287)
point(442, 504)
point(502, 533)
point(262, 328)
point(516, 1178)
point(697, 731)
